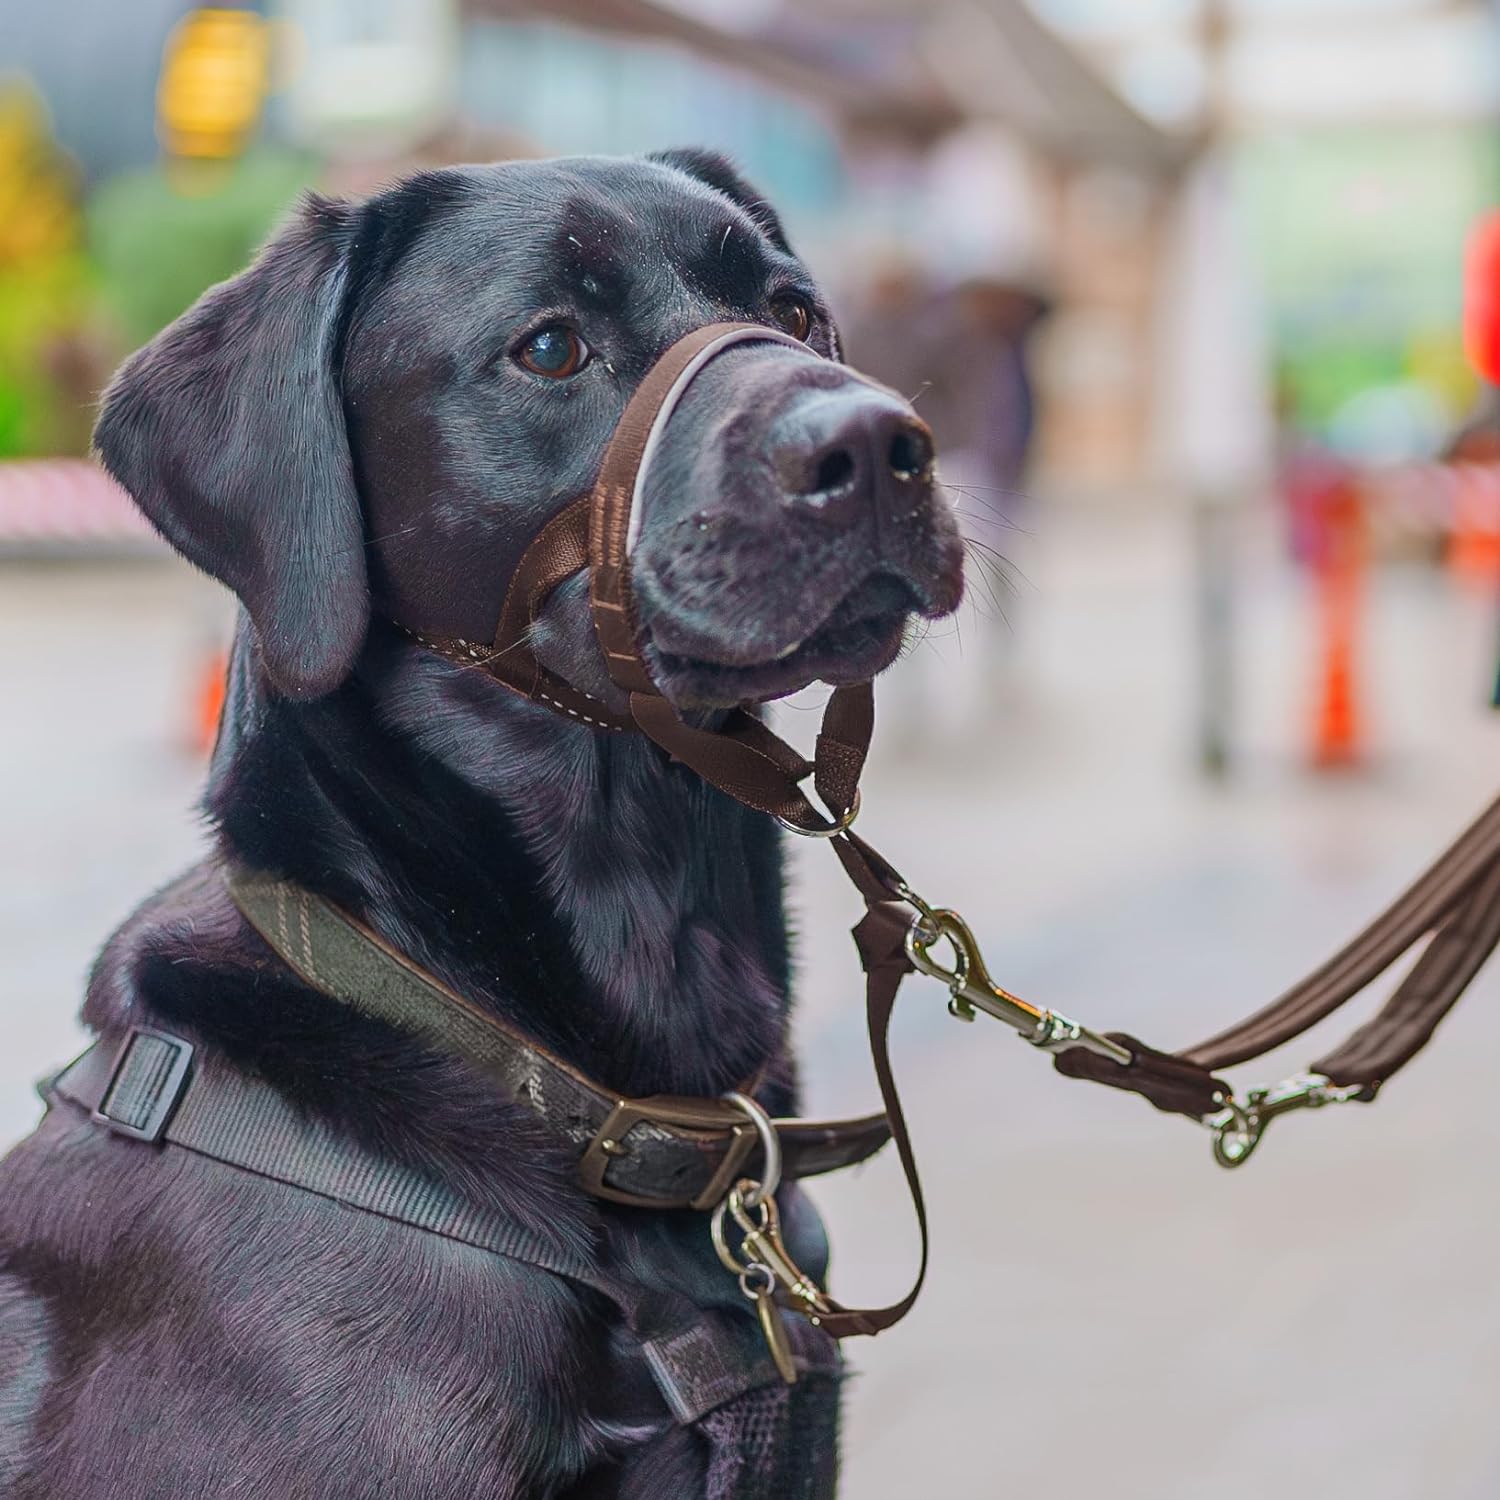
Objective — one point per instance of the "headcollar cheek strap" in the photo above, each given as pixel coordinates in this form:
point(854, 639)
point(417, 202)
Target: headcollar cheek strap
point(558, 551)
point(741, 756)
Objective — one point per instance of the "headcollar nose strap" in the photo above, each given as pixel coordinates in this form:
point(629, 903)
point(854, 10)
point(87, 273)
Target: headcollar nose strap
point(615, 518)
point(742, 757)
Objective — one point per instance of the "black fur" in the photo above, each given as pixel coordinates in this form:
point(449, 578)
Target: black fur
point(174, 1329)
point(719, 172)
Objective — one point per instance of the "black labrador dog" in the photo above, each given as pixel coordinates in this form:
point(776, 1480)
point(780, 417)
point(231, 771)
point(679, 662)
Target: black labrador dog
point(378, 414)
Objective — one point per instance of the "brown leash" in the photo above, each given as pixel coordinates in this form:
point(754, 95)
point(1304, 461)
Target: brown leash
point(1457, 901)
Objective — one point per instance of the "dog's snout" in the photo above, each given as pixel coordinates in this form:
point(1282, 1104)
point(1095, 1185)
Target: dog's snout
point(838, 454)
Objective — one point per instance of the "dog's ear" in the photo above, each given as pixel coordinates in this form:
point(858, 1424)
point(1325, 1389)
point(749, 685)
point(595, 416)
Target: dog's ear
point(228, 430)
point(721, 173)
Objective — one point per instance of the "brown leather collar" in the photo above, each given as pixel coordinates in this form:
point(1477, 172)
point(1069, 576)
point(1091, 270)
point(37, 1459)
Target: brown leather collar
point(664, 1151)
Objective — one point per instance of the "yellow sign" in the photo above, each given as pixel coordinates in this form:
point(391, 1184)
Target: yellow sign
point(214, 76)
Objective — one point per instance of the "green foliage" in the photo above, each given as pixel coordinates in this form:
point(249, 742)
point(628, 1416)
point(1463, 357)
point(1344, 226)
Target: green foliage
point(161, 236)
point(45, 285)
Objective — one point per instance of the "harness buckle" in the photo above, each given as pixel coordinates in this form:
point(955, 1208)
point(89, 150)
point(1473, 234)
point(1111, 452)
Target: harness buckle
point(1238, 1127)
point(146, 1083)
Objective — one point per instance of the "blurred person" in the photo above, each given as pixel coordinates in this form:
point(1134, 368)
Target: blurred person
point(964, 355)
point(1478, 437)
point(1477, 441)
point(980, 395)
point(885, 331)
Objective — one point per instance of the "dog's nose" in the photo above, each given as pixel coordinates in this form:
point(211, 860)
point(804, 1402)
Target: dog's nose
point(841, 454)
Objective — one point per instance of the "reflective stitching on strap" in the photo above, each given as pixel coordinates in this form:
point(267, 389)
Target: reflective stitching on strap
point(573, 713)
point(307, 953)
point(286, 941)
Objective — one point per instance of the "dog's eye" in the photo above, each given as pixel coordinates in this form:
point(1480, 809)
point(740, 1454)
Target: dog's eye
point(556, 351)
point(793, 315)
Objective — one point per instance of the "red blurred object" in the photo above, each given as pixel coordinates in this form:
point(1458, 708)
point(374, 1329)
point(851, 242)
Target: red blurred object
point(1482, 297)
point(67, 504)
point(1474, 539)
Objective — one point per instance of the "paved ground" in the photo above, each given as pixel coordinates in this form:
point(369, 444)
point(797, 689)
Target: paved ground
point(1108, 1313)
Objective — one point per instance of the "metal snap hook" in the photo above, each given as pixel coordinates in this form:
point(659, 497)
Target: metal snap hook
point(1237, 1128)
point(1236, 1134)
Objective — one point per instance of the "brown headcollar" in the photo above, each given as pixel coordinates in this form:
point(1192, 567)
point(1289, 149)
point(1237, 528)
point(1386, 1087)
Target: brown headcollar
point(740, 756)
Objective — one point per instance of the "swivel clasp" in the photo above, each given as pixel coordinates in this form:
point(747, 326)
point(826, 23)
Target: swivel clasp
point(1237, 1127)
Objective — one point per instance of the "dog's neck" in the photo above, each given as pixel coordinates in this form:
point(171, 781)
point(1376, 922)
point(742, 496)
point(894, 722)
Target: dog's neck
point(615, 907)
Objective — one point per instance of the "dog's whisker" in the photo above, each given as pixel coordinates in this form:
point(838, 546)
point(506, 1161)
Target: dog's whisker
point(990, 489)
point(375, 541)
point(997, 572)
point(995, 522)
point(988, 596)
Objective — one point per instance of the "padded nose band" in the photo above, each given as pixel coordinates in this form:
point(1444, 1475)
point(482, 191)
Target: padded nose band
point(745, 333)
point(616, 502)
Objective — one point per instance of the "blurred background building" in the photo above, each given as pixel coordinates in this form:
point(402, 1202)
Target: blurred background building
point(1178, 284)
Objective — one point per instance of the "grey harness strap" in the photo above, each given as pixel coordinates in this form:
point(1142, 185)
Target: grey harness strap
point(664, 1151)
point(153, 1089)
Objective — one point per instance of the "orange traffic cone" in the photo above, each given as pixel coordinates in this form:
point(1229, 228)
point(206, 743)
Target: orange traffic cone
point(208, 700)
point(1339, 564)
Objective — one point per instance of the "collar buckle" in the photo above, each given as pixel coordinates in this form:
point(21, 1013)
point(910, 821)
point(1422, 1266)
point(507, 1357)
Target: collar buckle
point(716, 1118)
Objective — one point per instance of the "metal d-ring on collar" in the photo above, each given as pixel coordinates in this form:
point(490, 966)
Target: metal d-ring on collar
point(770, 1144)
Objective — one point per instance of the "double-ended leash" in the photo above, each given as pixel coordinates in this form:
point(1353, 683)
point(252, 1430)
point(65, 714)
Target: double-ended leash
point(1457, 900)
point(724, 1156)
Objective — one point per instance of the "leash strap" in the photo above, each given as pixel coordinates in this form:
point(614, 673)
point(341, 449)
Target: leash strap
point(880, 937)
point(1405, 1025)
point(1456, 901)
point(665, 1151)
point(1416, 912)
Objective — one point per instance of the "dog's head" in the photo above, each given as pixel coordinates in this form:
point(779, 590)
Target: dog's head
point(388, 405)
